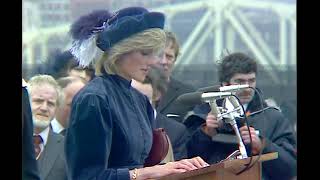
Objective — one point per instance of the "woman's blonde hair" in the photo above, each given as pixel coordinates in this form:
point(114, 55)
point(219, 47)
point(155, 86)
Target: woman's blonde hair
point(151, 40)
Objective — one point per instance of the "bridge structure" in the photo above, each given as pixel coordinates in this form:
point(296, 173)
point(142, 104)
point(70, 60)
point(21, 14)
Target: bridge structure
point(221, 22)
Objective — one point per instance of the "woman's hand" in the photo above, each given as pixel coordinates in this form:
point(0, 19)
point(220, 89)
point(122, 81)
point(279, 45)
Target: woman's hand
point(193, 163)
point(181, 166)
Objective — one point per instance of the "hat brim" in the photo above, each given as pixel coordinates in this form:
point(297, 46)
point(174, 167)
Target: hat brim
point(128, 26)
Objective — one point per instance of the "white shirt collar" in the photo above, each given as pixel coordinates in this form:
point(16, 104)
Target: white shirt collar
point(155, 113)
point(24, 83)
point(56, 126)
point(245, 106)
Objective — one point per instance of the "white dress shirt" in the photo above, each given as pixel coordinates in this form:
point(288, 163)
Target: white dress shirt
point(56, 126)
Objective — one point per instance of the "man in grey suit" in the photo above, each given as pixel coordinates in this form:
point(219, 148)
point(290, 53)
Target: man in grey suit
point(45, 96)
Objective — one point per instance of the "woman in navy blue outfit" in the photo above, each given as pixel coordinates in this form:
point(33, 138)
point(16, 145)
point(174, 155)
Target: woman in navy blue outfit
point(111, 123)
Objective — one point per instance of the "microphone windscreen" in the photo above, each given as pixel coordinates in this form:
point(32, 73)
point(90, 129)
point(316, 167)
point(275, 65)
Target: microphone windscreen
point(215, 88)
point(190, 98)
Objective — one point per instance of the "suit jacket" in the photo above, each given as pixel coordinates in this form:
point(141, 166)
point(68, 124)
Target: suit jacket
point(51, 163)
point(168, 103)
point(177, 133)
point(29, 163)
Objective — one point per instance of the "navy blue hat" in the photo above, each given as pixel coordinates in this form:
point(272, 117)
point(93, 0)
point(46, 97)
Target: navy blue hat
point(126, 22)
point(98, 31)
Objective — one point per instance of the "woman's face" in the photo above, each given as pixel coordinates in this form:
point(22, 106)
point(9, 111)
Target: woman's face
point(136, 64)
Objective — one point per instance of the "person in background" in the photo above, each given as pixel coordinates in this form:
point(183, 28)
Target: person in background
point(153, 86)
point(70, 86)
point(270, 130)
point(147, 89)
point(111, 123)
point(45, 96)
point(86, 73)
point(63, 64)
point(166, 104)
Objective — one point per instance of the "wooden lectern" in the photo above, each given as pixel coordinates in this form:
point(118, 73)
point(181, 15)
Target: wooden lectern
point(226, 170)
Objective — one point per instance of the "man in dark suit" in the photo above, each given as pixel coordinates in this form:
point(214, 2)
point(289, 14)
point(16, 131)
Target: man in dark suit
point(70, 86)
point(29, 163)
point(177, 133)
point(167, 103)
point(45, 96)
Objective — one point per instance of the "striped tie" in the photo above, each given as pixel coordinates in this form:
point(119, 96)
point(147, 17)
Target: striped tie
point(37, 140)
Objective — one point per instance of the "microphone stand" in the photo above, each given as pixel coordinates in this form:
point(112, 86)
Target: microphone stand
point(231, 120)
point(228, 117)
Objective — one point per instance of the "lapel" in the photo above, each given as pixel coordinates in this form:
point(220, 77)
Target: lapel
point(50, 154)
point(171, 95)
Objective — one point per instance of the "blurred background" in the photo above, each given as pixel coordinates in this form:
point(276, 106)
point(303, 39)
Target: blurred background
point(206, 29)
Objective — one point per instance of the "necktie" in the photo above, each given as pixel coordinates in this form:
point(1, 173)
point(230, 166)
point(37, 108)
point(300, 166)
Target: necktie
point(37, 140)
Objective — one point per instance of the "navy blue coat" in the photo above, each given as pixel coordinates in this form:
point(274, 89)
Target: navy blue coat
point(29, 163)
point(110, 130)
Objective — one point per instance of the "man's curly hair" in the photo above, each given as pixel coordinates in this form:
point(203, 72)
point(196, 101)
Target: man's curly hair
point(235, 63)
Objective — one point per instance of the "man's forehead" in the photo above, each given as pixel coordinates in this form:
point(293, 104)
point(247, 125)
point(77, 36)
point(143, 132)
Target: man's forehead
point(44, 91)
point(244, 76)
point(169, 45)
point(170, 50)
point(45, 96)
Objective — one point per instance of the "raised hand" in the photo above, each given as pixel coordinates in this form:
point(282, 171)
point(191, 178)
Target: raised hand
point(211, 125)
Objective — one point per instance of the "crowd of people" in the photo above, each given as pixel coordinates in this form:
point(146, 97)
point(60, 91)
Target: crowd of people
point(90, 112)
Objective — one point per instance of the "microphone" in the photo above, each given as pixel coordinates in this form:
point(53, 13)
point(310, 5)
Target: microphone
point(229, 116)
point(233, 88)
point(217, 88)
point(199, 97)
point(191, 99)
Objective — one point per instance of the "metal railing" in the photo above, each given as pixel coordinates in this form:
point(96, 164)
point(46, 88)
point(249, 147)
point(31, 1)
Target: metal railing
point(222, 21)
